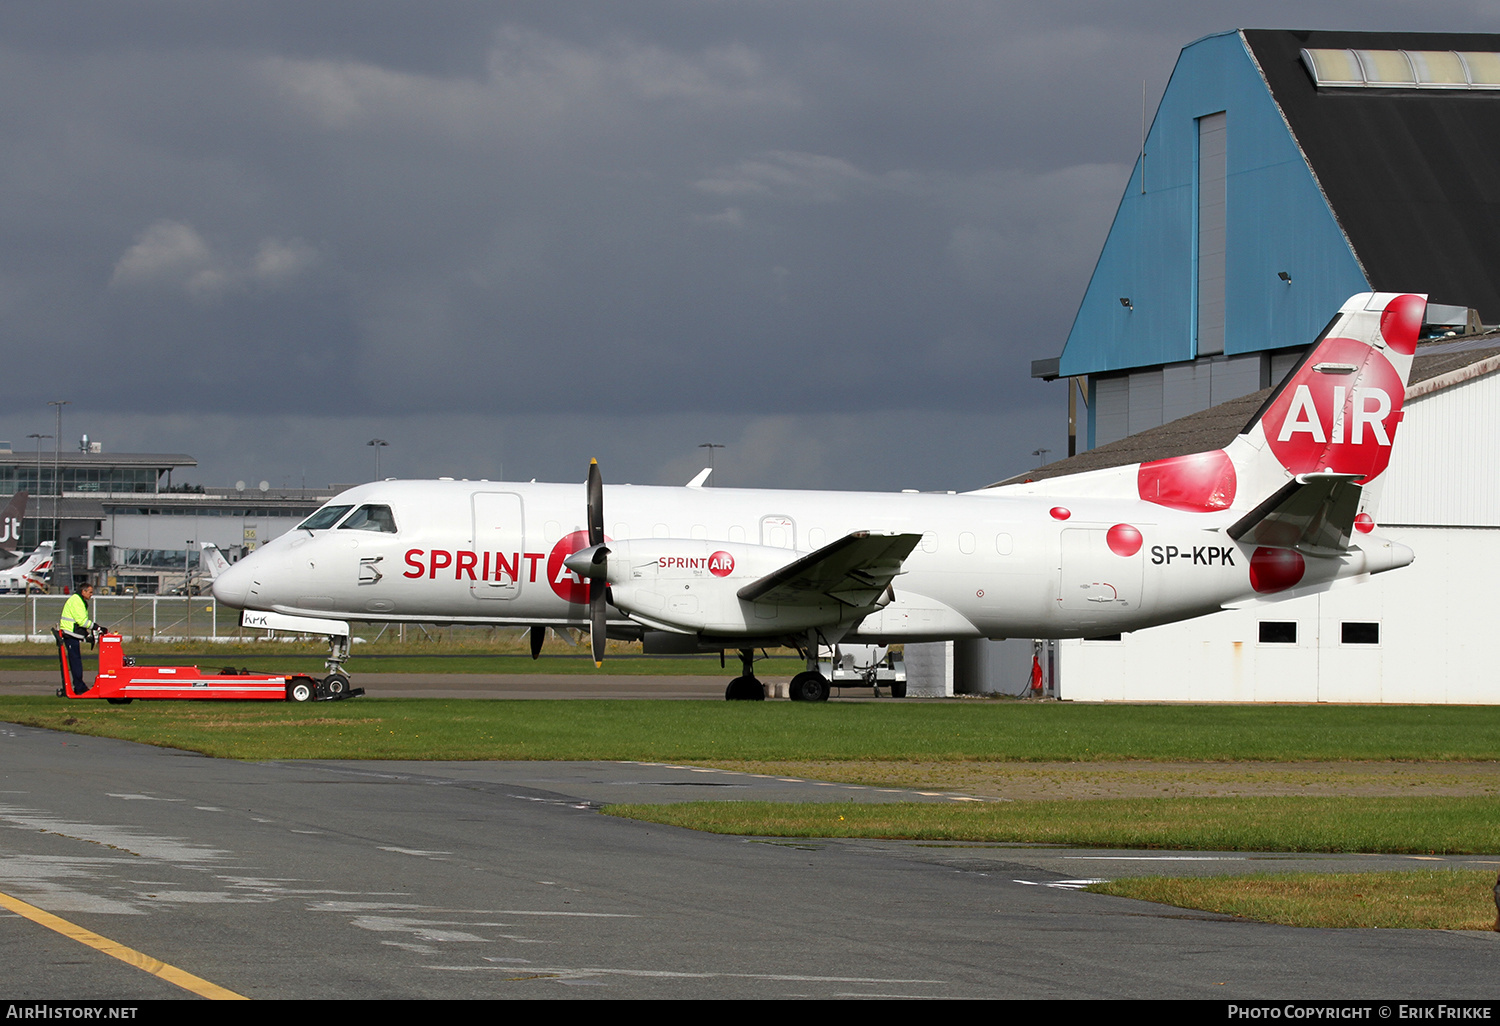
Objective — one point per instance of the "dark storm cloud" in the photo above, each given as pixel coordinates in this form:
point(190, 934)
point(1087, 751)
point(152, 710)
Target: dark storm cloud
point(498, 231)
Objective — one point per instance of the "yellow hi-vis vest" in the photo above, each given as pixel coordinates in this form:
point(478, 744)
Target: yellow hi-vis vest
point(75, 615)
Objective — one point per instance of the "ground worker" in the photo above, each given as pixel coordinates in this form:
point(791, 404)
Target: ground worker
point(74, 626)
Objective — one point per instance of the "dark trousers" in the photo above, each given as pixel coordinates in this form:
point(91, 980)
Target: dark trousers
point(75, 664)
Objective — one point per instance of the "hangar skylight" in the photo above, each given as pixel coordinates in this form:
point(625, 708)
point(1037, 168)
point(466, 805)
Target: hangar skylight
point(1403, 69)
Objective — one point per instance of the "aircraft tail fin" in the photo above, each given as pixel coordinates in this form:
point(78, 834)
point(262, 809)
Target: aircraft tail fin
point(38, 566)
point(1334, 416)
point(213, 561)
point(10, 522)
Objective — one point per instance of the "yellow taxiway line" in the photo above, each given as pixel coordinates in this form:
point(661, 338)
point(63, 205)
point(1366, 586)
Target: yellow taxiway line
point(186, 980)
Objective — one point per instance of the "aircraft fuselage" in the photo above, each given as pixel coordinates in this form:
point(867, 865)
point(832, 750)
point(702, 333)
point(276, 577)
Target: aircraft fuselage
point(988, 565)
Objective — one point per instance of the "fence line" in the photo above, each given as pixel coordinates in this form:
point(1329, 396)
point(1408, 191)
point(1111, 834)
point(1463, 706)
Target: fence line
point(135, 616)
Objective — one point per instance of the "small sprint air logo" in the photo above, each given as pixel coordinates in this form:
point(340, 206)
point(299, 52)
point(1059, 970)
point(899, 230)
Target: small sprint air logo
point(720, 564)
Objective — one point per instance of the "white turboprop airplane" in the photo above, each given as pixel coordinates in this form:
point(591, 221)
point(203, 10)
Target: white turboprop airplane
point(1282, 510)
point(32, 573)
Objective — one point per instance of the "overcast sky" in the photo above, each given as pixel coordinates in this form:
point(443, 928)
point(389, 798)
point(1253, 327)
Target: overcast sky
point(507, 237)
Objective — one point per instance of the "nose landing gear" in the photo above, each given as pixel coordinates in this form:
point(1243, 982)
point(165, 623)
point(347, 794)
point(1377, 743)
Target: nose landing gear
point(745, 687)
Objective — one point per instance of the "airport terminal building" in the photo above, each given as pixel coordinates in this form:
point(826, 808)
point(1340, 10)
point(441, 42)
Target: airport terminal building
point(120, 521)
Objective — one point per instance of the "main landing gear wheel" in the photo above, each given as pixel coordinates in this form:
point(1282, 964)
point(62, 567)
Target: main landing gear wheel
point(336, 685)
point(119, 701)
point(745, 689)
point(809, 686)
point(301, 689)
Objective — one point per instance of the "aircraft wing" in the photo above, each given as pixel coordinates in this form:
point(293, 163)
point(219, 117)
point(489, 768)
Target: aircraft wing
point(854, 570)
point(1312, 513)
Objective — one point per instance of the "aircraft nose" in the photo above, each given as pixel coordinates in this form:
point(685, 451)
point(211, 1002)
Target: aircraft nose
point(232, 587)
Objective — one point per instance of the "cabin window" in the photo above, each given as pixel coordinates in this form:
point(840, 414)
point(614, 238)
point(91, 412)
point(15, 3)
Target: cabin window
point(371, 518)
point(324, 518)
point(1359, 633)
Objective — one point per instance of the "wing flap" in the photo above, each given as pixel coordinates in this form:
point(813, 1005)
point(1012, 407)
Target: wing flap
point(856, 570)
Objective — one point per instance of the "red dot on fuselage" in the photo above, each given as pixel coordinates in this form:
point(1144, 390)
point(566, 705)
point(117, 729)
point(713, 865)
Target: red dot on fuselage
point(1060, 512)
point(1123, 540)
point(1364, 523)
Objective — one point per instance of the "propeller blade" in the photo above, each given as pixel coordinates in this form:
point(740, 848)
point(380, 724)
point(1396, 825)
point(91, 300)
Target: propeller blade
point(596, 504)
point(598, 572)
point(596, 617)
point(538, 635)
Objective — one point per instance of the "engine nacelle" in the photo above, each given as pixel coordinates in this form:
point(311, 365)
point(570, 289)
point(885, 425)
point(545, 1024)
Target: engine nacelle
point(690, 586)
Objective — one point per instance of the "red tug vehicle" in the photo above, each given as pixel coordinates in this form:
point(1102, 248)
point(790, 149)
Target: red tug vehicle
point(120, 681)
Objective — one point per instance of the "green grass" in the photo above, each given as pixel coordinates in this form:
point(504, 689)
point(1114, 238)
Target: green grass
point(391, 728)
point(1442, 899)
point(1406, 825)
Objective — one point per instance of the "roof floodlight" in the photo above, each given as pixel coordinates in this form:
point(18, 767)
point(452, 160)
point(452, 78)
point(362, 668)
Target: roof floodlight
point(1125, 302)
point(1284, 277)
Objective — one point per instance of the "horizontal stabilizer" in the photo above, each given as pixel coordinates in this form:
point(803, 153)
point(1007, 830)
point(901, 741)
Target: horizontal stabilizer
point(1312, 513)
point(855, 570)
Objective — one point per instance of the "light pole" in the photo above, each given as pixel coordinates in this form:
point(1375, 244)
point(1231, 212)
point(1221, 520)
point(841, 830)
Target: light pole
point(710, 446)
point(187, 591)
point(378, 443)
point(38, 469)
point(57, 484)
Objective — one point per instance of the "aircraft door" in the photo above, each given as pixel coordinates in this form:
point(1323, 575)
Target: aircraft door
point(499, 541)
point(1097, 575)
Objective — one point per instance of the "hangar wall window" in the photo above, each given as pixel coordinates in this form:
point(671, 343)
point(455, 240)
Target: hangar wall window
point(1278, 632)
point(1402, 69)
point(1355, 632)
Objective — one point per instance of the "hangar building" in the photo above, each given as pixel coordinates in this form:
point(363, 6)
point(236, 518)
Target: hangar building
point(1283, 172)
point(1417, 634)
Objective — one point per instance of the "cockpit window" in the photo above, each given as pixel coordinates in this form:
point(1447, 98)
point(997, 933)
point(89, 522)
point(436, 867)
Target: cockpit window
point(371, 518)
point(324, 518)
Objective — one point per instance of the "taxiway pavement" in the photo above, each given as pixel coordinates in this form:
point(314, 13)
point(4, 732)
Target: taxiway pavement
point(483, 880)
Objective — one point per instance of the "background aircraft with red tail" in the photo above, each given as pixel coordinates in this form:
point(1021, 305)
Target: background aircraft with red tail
point(1285, 509)
point(32, 573)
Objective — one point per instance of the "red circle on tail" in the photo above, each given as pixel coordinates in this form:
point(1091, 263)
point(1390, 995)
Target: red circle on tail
point(1301, 426)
